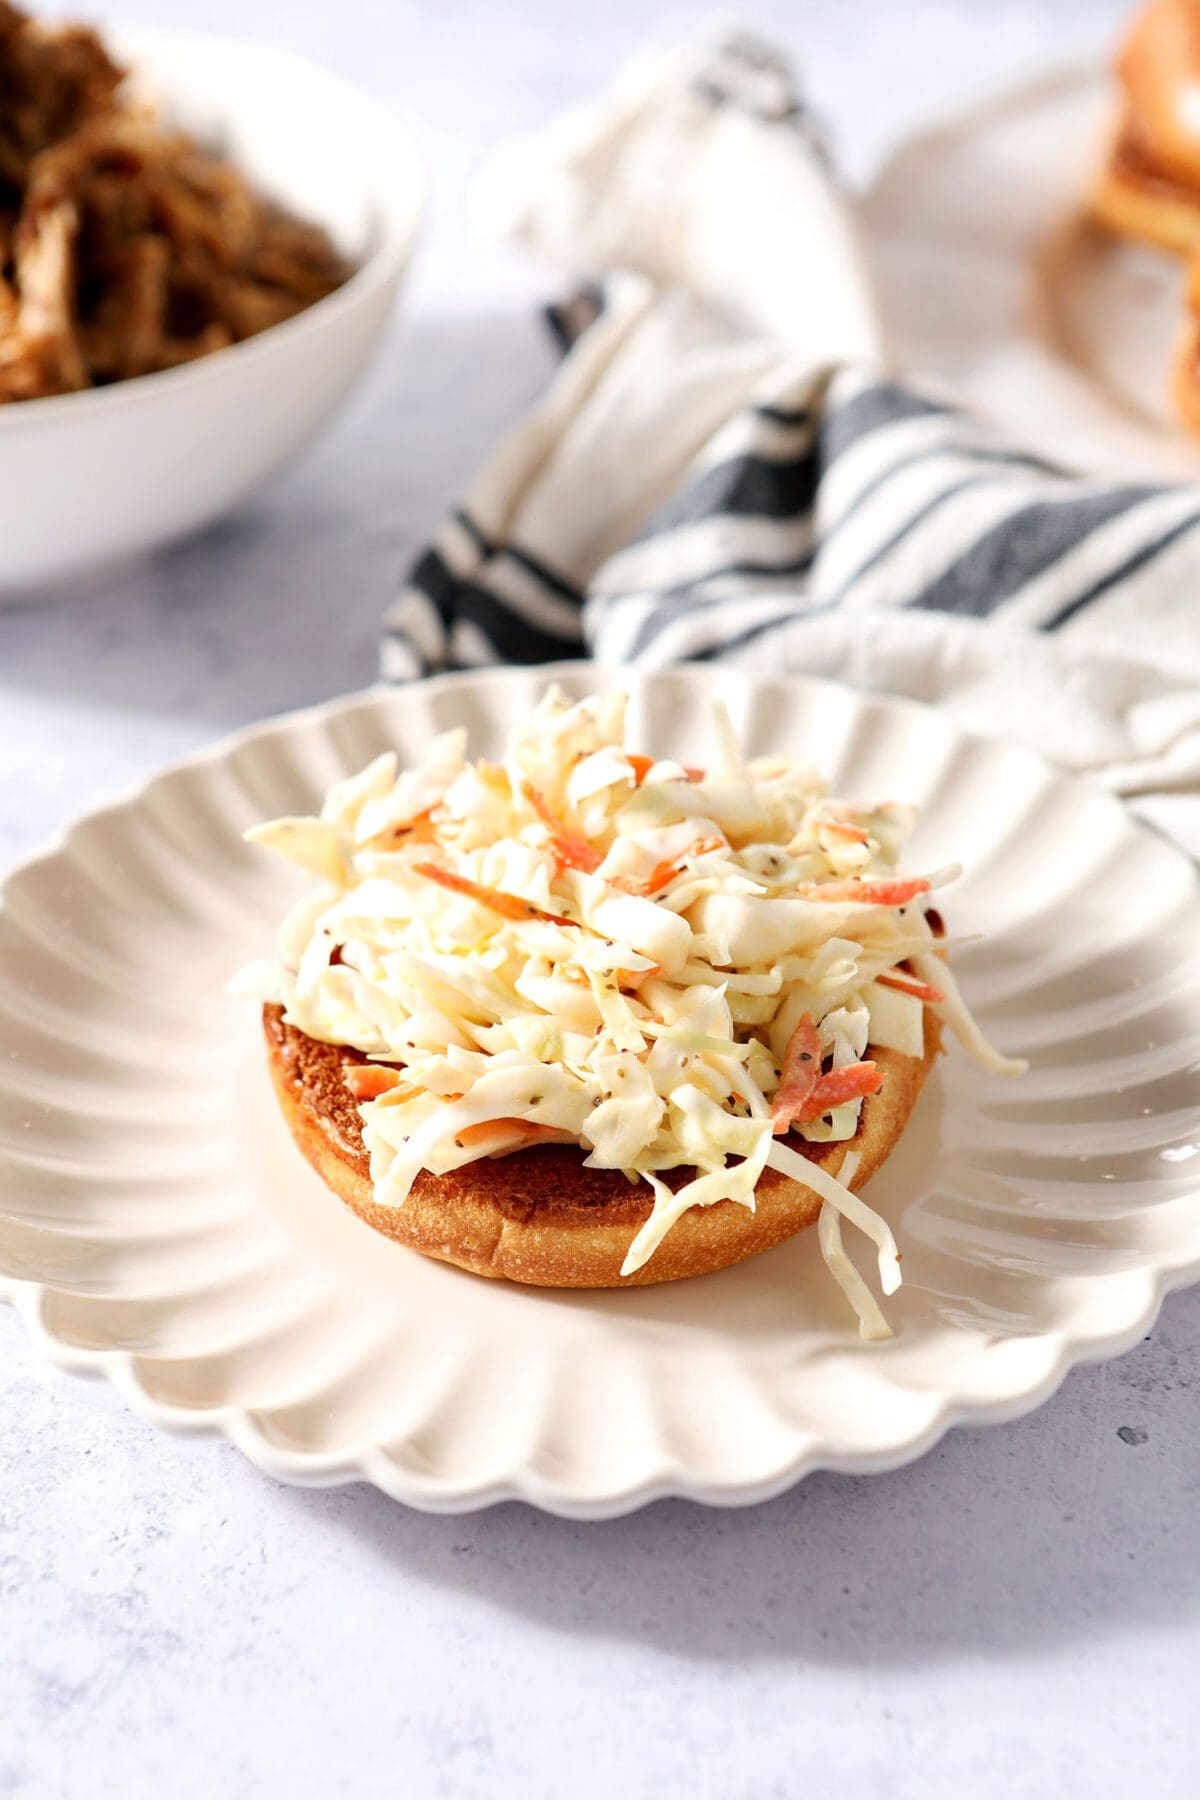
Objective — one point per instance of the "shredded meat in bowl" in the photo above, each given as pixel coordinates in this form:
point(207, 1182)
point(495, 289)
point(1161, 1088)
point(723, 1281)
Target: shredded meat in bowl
point(124, 246)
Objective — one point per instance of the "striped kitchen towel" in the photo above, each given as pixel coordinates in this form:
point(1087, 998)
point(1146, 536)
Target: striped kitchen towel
point(727, 467)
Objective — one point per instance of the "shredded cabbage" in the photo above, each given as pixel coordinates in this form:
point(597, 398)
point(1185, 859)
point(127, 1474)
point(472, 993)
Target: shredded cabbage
point(618, 953)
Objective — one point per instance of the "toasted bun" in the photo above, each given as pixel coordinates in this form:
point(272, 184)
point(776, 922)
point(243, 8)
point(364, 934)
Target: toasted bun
point(1132, 200)
point(538, 1215)
point(1150, 187)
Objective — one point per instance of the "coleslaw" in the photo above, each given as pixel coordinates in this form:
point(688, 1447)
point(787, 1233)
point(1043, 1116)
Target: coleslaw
point(675, 969)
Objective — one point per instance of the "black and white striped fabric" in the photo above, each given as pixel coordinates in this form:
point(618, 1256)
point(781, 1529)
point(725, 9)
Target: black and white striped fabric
point(851, 493)
point(723, 468)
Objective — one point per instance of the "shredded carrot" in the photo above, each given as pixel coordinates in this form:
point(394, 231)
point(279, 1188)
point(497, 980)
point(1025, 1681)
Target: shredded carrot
point(865, 893)
point(570, 852)
point(542, 808)
point(804, 1093)
point(801, 1069)
point(642, 765)
point(509, 906)
point(658, 878)
point(854, 1081)
point(480, 1135)
point(908, 984)
point(854, 834)
point(655, 881)
point(503, 1130)
point(367, 1081)
point(630, 980)
point(473, 1134)
point(423, 831)
point(573, 853)
point(663, 873)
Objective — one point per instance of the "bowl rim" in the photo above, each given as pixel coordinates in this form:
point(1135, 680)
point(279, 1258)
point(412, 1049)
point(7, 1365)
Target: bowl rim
point(399, 203)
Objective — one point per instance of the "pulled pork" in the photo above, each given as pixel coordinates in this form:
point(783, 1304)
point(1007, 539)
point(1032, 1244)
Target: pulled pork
point(124, 247)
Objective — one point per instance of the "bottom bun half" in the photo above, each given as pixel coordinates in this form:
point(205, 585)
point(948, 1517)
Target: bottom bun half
point(538, 1215)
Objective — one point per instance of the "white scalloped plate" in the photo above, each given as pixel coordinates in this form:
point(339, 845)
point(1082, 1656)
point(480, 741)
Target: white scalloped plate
point(994, 286)
point(157, 1226)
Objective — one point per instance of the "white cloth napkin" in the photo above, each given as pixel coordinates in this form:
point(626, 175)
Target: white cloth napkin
point(726, 466)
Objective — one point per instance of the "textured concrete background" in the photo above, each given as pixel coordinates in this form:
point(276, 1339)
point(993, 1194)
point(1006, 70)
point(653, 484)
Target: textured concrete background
point(1017, 1614)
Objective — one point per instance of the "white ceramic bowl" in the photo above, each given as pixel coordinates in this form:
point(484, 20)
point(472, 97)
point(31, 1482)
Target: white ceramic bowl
point(95, 477)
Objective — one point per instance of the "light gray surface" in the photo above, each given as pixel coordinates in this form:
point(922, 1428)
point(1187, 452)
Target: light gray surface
point(1018, 1614)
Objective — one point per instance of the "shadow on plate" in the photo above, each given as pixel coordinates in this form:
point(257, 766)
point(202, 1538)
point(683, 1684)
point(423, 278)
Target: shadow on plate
point(1076, 1520)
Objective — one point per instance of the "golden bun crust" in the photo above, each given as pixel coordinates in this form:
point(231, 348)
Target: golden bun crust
point(538, 1216)
point(1130, 203)
point(1150, 187)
